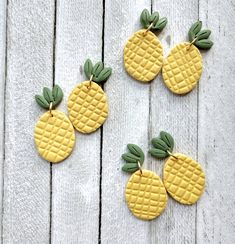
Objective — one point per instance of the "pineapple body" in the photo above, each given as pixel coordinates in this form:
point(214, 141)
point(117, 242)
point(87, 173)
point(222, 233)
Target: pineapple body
point(88, 107)
point(184, 179)
point(143, 56)
point(54, 136)
point(146, 195)
point(182, 68)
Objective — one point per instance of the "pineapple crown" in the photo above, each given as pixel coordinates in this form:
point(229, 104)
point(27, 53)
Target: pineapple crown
point(134, 158)
point(162, 145)
point(49, 96)
point(152, 21)
point(199, 37)
point(97, 73)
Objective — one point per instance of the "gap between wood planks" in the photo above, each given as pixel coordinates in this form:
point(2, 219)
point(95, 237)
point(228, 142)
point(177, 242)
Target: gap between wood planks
point(101, 136)
point(101, 128)
point(53, 83)
point(4, 110)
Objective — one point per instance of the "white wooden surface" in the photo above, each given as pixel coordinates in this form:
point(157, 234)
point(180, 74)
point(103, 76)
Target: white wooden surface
point(82, 199)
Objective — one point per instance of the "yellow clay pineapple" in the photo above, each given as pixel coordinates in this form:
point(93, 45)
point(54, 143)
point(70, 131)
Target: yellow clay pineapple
point(145, 193)
point(54, 134)
point(183, 177)
point(182, 68)
point(87, 103)
point(143, 53)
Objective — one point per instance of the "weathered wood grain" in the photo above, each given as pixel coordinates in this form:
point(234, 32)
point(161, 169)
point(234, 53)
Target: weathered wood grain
point(26, 205)
point(75, 188)
point(202, 123)
point(216, 214)
point(3, 9)
point(127, 123)
point(178, 115)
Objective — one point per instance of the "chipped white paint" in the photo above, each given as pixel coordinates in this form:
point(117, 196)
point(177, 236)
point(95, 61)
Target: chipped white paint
point(202, 123)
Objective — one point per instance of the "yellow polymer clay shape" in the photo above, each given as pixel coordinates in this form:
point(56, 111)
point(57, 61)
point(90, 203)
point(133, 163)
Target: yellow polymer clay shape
point(54, 134)
point(145, 193)
point(143, 53)
point(182, 68)
point(183, 177)
point(87, 103)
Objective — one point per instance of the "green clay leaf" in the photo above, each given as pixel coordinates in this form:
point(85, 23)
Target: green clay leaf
point(154, 18)
point(97, 69)
point(204, 44)
point(160, 144)
point(47, 94)
point(160, 24)
point(130, 167)
point(168, 139)
point(57, 94)
point(203, 34)
point(158, 153)
point(130, 158)
point(41, 101)
point(104, 75)
point(194, 29)
point(88, 66)
point(144, 18)
point(137, 151)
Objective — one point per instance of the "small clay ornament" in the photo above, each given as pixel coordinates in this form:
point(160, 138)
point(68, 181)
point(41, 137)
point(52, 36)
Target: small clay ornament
point(145, 193)
point(143, 53)
point(87, 103)
point(183, 67)
point(183, 177)
point(54, 134)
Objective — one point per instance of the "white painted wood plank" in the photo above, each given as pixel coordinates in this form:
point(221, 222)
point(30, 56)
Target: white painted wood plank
point(178, 115)
point(29, 68)
point(75, 206)
point(127, 123)
point(216, 215)
point(2, 89)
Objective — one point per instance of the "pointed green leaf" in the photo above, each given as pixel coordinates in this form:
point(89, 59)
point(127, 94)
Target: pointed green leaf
point(47, 94)
point(160, 24)
point(160, 144)
point(41, 101)
point(137, 151)
point(130, 158)
point(104, 75)
point(57, 94)
point(130, 167)
point(194, 29)
point(158, 153)
point(144, 18)
point(154, 18)
point(88, 66)
point(203, 34)
point(204, 44)
point(97, 69)
point(168, 139)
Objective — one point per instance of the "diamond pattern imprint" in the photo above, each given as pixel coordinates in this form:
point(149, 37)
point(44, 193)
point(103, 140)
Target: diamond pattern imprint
point(182, 68)
point(54, 136)
point(88, 108)
point(146, 195)
point(143, 56)
point(184, 179)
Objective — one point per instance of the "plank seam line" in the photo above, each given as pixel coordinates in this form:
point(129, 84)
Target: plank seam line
point(4, 113)
point(53, 83)
point(197, 145)
point(101, 137)
point(150, 127)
